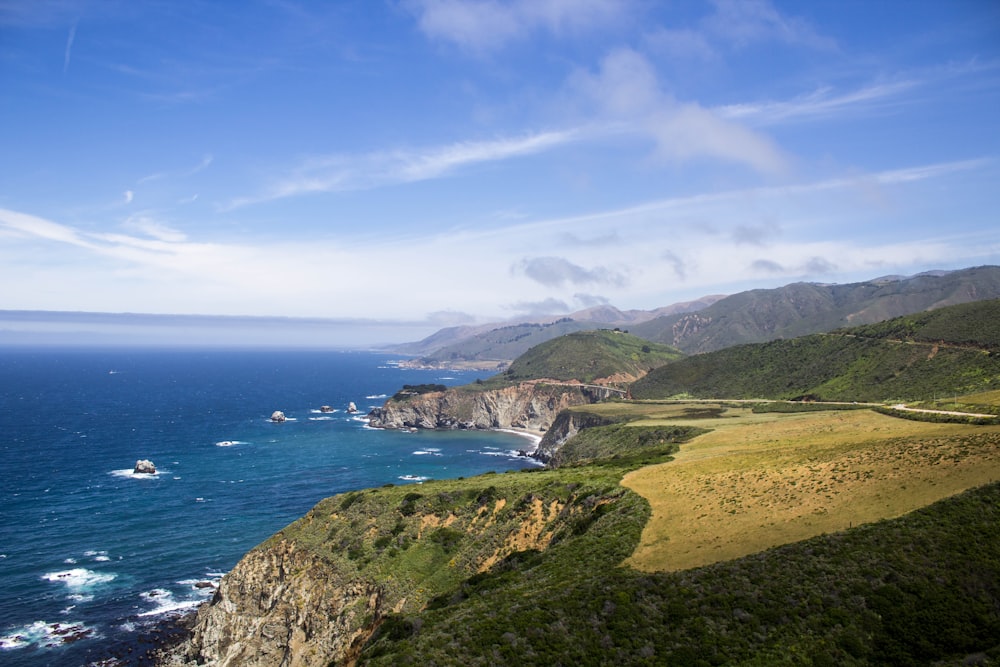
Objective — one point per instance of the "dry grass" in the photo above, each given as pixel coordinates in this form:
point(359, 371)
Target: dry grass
point(761, 480)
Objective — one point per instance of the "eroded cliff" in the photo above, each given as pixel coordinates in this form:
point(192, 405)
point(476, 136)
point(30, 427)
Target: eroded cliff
point(314, 593)
point(528, 405)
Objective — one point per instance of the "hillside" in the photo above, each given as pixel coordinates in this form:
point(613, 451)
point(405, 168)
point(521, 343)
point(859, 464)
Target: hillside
point(804, 308)
point(918, 357)
point(503, 342)
point(590, 356)
point(526, 568)
point(715, 322)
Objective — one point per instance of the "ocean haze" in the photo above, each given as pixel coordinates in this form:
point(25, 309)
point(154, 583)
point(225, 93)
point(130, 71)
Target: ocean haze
point(53, 328)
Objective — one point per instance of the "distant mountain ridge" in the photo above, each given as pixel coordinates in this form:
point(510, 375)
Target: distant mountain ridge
point(506, 341)
point(716, 322)
point(799, 309)
point(948, 350)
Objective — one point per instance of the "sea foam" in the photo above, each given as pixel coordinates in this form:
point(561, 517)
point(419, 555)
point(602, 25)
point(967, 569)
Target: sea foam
point(43, 634)
point(79, 578)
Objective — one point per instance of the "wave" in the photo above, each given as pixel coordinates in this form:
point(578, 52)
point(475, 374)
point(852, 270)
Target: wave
point(374, 397)
point(79, 578)
point(42, 634)
point(230, 443)
point(413, 478)
point(130, 473)
point(427, 452)
point(321, 419)
point(165, 604)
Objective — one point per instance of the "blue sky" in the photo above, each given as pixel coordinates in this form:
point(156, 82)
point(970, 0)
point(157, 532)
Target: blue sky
point(435, 162)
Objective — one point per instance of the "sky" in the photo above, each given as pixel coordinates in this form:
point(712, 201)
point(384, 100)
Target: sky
point(427, 163)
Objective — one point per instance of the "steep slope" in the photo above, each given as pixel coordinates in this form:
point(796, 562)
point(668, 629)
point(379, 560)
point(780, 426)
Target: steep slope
point(538, 385)
point(804, 308)
point(313, 593)
point(953, 349)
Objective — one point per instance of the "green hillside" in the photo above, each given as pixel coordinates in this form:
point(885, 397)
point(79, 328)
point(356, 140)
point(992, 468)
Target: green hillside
point(589, 355)
point(867, 596)
point(805, 308)
point(917, 357)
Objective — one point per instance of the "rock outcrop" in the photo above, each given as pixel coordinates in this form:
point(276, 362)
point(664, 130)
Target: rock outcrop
point(145, 467)
point(565, 426)
point(278, 416)
point(528, 405)
point(283, 605)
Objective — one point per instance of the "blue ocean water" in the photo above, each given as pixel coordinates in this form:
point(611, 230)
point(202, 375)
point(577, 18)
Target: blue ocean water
point(94, 557)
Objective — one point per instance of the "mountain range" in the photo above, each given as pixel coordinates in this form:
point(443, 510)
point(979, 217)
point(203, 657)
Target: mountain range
point(716, 322)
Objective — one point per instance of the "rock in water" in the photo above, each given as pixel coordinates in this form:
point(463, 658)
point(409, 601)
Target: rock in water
point(145, 466)
point(352, 408)
point(325, 408)
point(277, 416)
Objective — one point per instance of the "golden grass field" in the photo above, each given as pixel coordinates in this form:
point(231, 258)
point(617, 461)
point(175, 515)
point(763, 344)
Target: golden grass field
point(761, 480)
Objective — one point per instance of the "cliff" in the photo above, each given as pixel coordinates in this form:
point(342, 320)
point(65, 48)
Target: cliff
point(317, 591)
point(528, 405)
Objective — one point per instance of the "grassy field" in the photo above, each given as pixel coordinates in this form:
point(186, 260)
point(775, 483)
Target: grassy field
point(761, 480)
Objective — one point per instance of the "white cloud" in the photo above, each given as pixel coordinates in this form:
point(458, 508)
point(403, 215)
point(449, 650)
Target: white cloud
point(338, 173)
point(820, 103)
point(485, 25)
point(144, 224)
point(627, 90)
point(662, 243)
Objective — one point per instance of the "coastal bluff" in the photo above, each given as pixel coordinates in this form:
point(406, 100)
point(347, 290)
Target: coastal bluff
point(531, 405)
point(363, 565)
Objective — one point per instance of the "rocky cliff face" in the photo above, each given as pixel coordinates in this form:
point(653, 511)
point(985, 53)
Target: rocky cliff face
point(528, 405)
point(283, 605)
point(565, 426)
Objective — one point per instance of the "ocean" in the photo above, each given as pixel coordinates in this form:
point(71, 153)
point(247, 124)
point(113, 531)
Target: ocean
point(95, 558)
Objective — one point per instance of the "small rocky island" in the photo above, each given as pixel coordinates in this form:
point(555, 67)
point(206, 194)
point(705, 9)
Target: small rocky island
point(144, 467)
point(278, 416)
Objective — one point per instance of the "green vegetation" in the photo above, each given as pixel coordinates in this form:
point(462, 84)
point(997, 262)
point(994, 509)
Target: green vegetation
point(609, 440)
point(912, 358)
point(906, 591)
point(536, 568)
point(589, 355)
point(938, 417)
point(410, 390)
point(968, 325)
point(800, 406)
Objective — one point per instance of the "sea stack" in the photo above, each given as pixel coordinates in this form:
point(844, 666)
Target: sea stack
point(351, 408)
point(277, 416)
point(145, 466)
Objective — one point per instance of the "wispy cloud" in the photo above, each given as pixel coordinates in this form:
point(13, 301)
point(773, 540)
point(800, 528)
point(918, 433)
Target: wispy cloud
point(485, 25)
point(69, 47)
point(744, 22)
point(821, 103)
point(202, 165)
point(626, 90)
point(339, 173)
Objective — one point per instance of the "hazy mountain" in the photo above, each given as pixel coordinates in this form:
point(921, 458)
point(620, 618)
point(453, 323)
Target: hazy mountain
point(803, 308)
